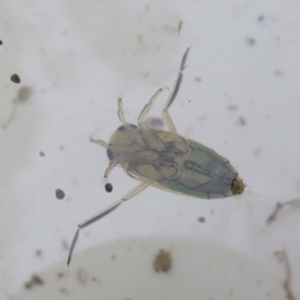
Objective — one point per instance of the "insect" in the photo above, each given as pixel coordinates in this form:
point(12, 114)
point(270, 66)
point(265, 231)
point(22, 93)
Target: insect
point(165, 160)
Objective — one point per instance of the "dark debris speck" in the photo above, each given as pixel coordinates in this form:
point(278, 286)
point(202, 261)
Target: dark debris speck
point(260, 18)
point(15, 78)
point(251, 41)
point(108, 187)
point(242, 121)
point(59, 194)
point(35, 280)
point(162, 261)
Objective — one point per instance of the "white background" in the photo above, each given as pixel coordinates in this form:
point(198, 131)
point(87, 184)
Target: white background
point(78, 58)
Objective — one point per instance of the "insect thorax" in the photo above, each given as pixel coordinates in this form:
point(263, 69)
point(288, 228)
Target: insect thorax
point(149, 155)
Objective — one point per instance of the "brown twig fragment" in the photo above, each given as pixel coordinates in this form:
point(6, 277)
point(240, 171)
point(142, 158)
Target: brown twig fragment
point(283, 258)
point(279, 206)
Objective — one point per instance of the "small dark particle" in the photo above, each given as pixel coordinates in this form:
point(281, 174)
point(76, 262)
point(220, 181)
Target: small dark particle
point(42, 154)
point(35, 280)
point(1, 43)
point(242, 121)
point(38, 252)
point(260, 18)
point(201, 219)
point(59, 194)
point(15, 78)
point(162, 261)
point(108, 187)
point(251, 41)
point(198, 79)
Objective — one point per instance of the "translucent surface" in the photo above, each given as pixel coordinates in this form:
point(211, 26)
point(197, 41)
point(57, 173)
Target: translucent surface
point(240, 97)
point(124, 270)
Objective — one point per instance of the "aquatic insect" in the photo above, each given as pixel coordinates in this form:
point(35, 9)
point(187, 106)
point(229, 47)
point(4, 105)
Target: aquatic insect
point(165, 159)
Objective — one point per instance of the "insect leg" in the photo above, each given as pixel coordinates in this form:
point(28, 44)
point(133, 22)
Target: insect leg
point(121, 112)
point(107, 211)
point(99, 142)
point(148, 106)
point(178, 81)
point(111, 165)
point(166, 116)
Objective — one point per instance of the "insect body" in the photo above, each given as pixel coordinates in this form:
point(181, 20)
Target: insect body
point(192, 169)
point(165, 160)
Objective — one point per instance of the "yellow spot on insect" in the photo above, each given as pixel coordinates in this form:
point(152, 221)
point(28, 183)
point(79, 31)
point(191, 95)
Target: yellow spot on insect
point(238, 186)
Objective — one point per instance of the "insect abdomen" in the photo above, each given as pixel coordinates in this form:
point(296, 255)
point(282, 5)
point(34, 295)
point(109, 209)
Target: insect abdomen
point(205, 174)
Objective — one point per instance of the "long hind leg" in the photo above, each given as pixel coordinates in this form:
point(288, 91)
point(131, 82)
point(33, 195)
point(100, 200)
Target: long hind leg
point(170, 124)
point(107, 211)
point(178, 81)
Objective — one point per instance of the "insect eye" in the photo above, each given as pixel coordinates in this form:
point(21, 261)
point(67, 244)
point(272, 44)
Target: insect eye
point(108, 187)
